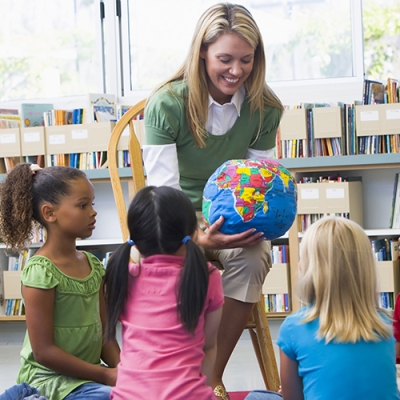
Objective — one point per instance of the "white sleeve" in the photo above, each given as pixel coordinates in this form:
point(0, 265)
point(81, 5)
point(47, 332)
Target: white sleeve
point(259, 154)
point(161, 165)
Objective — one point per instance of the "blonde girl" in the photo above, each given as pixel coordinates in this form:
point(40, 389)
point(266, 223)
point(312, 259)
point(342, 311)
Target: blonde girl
point(340, 344)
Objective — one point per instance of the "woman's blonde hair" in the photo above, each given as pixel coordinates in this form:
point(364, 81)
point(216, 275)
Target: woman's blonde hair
point(338, 282)
point(217, 20)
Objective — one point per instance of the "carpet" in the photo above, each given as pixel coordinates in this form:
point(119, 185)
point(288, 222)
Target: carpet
point(238, 395)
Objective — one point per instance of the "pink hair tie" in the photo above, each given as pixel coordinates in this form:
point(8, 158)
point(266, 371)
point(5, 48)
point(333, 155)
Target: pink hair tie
point(34, 168)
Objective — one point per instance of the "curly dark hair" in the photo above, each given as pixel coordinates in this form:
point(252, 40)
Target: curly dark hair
point(21, 195)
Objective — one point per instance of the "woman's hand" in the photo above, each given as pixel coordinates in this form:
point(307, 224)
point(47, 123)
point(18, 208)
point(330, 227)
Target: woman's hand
point(215, 239)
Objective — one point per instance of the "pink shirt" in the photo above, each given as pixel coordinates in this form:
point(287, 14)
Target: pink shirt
point(159, 358)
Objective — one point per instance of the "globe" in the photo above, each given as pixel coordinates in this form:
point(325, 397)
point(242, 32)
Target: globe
point(251, 193)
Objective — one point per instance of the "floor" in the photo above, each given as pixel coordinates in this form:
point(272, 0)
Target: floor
point(242, 373)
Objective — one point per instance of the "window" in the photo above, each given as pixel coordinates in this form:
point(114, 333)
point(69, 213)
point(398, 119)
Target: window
point(314, 48)
point(49, 48)
point(309, 42)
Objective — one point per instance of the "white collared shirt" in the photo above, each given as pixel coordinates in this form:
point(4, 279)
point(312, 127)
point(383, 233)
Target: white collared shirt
point(161, 162)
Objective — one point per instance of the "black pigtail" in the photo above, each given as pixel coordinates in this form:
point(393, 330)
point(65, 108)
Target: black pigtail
point(193, 286)
point(116, 287)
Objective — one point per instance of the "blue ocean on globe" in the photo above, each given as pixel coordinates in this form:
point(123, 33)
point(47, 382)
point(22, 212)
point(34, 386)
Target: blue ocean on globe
point(251, 193)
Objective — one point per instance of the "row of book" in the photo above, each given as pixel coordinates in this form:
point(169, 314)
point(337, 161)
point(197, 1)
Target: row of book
point(280, 254)
point(370, 126)
point(386, 300)
point(100, 107)
point(378, 92)
point(58, 142)
point(83, 161)
point(345, 139)
point(276, 302)
point(16, 263)
point(386, 249)
point(304, 221)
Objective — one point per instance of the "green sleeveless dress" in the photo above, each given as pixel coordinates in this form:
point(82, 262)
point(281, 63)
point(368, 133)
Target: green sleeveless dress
point(77, 323)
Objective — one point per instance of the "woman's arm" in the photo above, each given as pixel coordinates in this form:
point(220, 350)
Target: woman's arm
point(161, 165)
point(110, 351)
point(39, 307)
point(292, 384)
point(211, 324)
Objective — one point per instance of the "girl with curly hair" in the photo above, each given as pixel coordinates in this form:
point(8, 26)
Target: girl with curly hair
point(62, 287)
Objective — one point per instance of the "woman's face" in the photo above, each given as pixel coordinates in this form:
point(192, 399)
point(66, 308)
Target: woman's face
point(229, 61)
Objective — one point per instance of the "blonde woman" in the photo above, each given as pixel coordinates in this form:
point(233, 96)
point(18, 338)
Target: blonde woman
point(217, 107)
point(340, 345)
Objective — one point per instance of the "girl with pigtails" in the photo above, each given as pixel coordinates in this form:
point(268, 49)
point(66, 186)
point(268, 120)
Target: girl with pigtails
point(169, 304)
point(63, 354)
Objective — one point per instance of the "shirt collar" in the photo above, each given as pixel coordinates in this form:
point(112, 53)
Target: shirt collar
point(237, 100)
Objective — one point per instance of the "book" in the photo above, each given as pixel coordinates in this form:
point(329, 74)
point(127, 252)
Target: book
point(395, 249)
point(121, 110)
point(32, 113)
point(99, 102)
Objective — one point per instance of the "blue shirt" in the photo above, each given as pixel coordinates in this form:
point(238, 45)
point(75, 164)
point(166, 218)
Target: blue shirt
point(345, 371)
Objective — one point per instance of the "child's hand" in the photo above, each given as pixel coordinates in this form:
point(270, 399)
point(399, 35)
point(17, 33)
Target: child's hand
point(110, 376)
point(280, 390)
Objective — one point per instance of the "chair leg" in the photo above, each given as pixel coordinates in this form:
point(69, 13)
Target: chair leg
point(262, 343)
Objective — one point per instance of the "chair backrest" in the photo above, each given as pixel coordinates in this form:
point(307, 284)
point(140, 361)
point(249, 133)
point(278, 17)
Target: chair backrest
point(135, 152)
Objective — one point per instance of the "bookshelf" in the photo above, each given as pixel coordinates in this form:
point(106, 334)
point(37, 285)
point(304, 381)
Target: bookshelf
point(376, 170)
point(377, 173)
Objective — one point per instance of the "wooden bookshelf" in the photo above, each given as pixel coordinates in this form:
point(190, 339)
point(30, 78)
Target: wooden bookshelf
point(377, 194)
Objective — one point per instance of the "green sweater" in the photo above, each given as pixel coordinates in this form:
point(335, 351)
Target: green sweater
point(166, 123)
point(77, 323)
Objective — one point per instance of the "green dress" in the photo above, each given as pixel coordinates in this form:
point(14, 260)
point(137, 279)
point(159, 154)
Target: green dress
point(77, 323)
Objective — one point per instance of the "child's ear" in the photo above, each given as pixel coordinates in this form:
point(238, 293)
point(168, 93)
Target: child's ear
point(48, 212)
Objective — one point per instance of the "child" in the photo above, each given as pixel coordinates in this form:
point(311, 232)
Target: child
point(340, 345)
point(169, 304)
point(61, 287)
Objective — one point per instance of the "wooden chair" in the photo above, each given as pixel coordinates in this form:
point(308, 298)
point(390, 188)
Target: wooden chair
point(258, 324)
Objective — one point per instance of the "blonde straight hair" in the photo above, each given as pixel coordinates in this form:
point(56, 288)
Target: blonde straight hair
point(338, 282)
point(217, 20)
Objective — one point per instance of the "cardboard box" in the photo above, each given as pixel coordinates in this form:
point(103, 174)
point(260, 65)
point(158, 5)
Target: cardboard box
point(12, 285)
point(10, 142)
point(80, 138)
point(276, 281)
point(327, 122)
point(331, 198)
point(388, 276)
point(294, 124)
point(33, 141)
point(378, 119)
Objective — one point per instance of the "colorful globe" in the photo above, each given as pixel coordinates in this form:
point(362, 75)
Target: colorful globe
point(251, 193)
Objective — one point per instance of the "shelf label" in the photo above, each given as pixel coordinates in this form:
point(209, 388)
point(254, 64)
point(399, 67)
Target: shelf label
point(369, 115)
point(308, 194)
point(8, 138)
point(337, 193)
point(79, 134)
point(393, 114)
point(30, 137)
point(56, 139)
